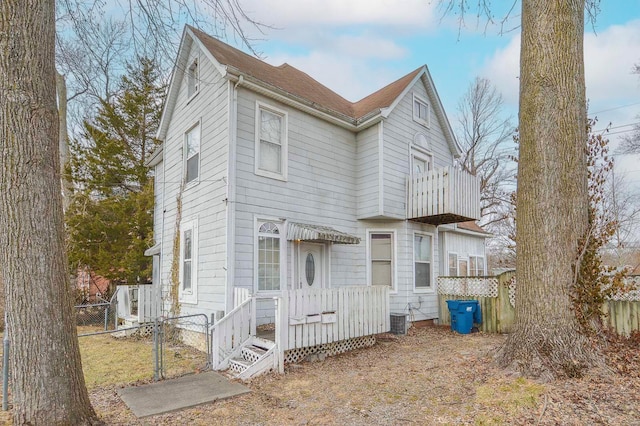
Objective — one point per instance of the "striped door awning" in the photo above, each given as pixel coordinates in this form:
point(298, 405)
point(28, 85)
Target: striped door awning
point(306, 232)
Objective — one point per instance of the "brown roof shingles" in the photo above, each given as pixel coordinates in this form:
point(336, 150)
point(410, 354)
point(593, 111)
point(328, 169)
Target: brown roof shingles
point(300, 84)
point(471, 226)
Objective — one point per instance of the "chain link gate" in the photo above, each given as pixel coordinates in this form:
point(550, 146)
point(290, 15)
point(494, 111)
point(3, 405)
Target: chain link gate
point(182, 346)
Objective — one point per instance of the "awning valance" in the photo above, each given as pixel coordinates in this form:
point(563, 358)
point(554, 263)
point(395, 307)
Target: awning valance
point(306, 232)
point(152, 251)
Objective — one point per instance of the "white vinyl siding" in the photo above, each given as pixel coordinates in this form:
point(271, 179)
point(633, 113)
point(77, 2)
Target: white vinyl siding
point(271, 142)
point(192, 154)
point(423, 261)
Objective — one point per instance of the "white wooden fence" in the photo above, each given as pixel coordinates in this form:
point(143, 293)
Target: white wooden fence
point(137, 302)
point(307, 318)
point(443, 191)
point(231, 332)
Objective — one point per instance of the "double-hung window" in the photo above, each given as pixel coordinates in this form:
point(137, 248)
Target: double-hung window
point(422, 255)
point(421, 111)
point(271, 142)
point(476, 266)
point(463, 267)
point(381, 257)
point(188, 262)
point(269, 257)
point(192, 154)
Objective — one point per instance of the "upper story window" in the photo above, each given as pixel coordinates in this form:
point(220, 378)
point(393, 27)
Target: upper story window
point(381, 255)
point(422, 255)
point(269, 263)
point(193, 78)
point(271, 142)
point(421, 113)
point(463, 268)
point(192, 154)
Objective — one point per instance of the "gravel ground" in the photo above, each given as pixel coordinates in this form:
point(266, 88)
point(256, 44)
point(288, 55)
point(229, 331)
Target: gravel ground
point(430, 376)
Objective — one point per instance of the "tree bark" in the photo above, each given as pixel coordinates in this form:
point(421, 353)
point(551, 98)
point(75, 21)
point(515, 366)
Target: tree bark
point(552, 199)
point(46, 375)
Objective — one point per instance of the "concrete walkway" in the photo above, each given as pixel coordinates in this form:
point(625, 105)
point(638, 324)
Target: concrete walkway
point(177, 394)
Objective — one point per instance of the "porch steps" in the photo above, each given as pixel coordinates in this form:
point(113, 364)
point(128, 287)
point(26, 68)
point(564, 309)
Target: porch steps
point(256, 357)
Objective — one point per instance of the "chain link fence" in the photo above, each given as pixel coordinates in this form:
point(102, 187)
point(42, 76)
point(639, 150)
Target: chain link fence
point(183, 345)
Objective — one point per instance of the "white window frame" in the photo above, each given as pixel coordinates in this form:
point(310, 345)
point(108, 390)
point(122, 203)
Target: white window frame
point(463, 259)
point(394, 257)
point(416, 117)
point(474, 272)
point(258, 222)
point(431, 262)
point(283, 142)
point(449, 254)
point(193, 78)
point(185, 153)
point(189, 296)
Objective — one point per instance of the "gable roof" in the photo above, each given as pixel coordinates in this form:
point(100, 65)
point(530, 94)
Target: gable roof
point(301, 87)
point(472, 226)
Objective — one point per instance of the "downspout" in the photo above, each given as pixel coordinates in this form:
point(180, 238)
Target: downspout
point(231, 197)
point(158, 294)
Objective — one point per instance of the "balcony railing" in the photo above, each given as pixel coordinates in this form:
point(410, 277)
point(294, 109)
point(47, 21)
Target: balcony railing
point(442, 196)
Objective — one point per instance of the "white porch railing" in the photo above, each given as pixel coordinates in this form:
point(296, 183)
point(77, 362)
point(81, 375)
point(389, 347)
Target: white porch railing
point(231, 332)
point(137, 302)
point(445, 195)
point(307, 318)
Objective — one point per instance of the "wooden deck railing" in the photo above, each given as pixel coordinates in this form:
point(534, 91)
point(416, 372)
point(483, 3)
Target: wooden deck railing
point(229, 334)
point(445, 195)
point(306, 318)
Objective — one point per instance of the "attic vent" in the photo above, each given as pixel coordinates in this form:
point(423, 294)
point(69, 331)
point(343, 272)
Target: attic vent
point(420, 139)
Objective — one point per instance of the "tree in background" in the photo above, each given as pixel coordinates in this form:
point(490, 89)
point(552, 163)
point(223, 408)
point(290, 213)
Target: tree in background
point(110, 219)
point(486, 139)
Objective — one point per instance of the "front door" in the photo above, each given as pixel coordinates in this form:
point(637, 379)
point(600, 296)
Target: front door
point(311, 265)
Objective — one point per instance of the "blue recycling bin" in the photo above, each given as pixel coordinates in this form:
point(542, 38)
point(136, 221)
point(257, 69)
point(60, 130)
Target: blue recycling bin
point(464, 313)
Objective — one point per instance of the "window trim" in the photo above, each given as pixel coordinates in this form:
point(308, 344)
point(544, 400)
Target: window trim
point(424, 121)
point(184, 155)
point(191, 296)
point(394, 256)
point(281, 224)
point(484, 266)
point(284, 142)
point(449, 267)
point(432, 286)
point(193, 80)
point(422, 155)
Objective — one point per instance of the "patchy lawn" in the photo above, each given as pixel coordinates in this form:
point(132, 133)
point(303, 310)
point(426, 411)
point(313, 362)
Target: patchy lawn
point(431, 376)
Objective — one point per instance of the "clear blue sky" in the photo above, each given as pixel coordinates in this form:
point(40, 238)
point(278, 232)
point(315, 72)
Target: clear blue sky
point(357, 46)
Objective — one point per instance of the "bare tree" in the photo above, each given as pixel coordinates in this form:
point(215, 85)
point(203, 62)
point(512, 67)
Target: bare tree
point(485, 136)
point(630, 144)
point(47, 381)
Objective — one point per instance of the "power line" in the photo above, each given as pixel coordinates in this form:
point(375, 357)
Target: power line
point(615, 108)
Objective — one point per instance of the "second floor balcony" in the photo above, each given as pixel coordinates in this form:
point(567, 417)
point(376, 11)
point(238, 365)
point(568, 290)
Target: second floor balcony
point(444, 195)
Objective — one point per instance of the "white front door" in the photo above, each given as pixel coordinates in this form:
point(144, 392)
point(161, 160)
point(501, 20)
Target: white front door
point(311, 265)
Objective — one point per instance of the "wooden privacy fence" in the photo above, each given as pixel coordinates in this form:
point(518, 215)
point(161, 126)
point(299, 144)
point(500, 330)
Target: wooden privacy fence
point(496, 296)
point(315, 318)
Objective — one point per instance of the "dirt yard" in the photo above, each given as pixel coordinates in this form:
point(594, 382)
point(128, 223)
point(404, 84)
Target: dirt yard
point(431, 376)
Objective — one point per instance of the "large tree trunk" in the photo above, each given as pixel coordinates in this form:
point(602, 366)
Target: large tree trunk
point(46, 376)
point(552, 201)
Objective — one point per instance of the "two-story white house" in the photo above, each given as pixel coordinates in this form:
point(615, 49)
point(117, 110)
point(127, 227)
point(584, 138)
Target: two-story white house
point(268, 180)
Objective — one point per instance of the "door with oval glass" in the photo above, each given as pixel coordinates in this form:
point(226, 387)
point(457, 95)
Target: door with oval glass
point(311, 265)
